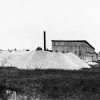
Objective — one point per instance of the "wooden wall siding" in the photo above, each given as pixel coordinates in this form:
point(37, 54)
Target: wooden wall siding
point(95, 57)
point(82, 49)
point(72, 46)
point(99, 56)
point(89, 59)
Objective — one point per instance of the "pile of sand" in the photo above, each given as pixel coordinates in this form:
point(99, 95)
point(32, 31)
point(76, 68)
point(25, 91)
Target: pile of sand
point(41, 60)
point(77, 60)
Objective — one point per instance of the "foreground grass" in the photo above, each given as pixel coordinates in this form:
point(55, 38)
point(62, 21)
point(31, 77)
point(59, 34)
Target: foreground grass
point(51, 83)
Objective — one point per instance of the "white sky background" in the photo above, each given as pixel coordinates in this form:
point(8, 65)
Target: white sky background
point(22, 22)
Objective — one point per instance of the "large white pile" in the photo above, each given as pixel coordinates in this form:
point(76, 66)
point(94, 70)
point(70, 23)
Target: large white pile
point(77, 60)
point(41, 59)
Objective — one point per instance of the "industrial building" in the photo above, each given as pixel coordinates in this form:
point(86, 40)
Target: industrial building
point(99, 56)
point(79, 47)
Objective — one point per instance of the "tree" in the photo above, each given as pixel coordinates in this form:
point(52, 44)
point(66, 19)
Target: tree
point(38, 48)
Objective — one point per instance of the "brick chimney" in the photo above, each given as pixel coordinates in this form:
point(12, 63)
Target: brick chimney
point(44, 40)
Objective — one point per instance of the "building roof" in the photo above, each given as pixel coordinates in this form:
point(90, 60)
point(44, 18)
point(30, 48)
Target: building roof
point(73, 41)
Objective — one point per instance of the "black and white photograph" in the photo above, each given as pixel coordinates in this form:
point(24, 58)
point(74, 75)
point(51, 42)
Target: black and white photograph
point(49, 49)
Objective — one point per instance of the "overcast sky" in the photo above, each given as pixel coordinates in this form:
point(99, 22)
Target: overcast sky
point(22, 22)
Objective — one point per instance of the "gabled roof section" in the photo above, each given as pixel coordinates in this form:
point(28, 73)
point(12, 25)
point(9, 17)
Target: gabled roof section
point(73, 41)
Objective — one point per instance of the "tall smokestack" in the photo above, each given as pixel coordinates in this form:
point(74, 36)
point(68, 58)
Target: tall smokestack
point(44, 40)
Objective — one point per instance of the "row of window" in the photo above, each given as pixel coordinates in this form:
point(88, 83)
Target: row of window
point(80, 52)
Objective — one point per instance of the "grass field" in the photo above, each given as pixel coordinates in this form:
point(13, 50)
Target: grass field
point(55, 84)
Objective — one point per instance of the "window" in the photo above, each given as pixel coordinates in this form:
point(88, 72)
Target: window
point(56, 51)
point(75, 52)
point(62, 51)
point(80, 53)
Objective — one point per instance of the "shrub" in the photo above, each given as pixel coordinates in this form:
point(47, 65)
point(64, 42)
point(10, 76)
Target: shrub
point(38, 48)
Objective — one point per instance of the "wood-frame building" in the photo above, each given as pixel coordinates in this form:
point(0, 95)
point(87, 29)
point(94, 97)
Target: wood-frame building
point(79, 47)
